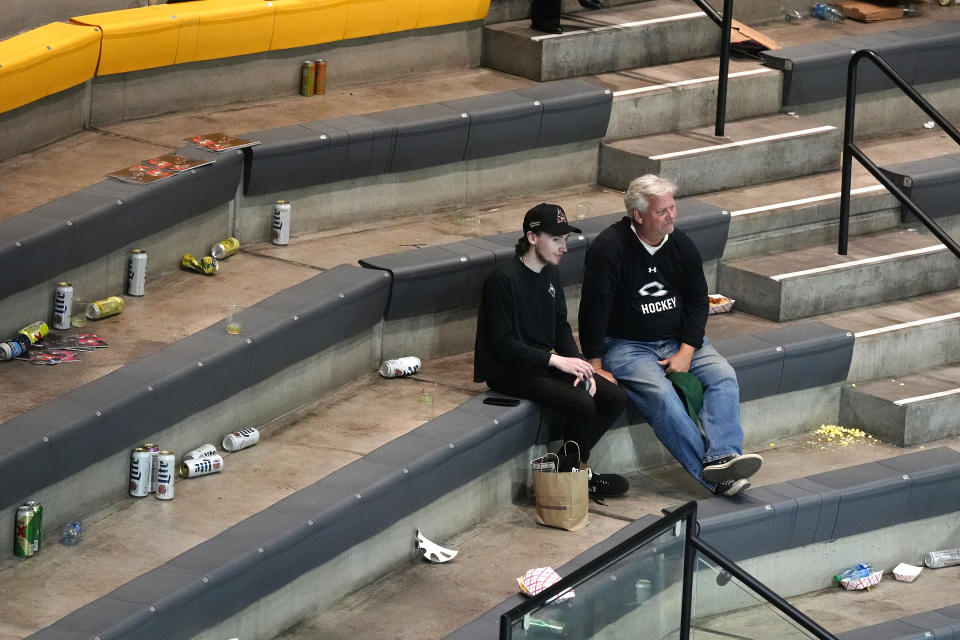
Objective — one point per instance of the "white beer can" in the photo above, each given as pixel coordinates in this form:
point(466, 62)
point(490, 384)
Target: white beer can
point(62, 303)
point(240, 439)
point(399, 367)
point(201, 466)
point(281, 223)
point(137, 272)
point(167, 462)
point(205, 451)
point(140, 465)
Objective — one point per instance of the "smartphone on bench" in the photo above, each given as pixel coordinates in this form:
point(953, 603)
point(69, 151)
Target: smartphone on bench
point(501, 402)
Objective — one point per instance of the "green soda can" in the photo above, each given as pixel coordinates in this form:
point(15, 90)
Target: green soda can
point(307, 80)
point(28, 529)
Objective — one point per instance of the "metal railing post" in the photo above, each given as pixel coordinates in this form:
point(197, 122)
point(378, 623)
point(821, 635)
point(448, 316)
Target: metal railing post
point(724, 67)
point(847, 166)
point(689, 558)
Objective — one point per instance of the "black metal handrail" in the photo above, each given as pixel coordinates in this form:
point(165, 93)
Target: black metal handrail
point(851, 150)
point(692, 544)
point(725, 22)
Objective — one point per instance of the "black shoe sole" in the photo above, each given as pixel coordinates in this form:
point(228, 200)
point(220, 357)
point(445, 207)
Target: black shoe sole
point(740, 467)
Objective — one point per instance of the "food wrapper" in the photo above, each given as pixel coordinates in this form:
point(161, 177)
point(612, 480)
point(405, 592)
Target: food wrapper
point(719, 303)
point(906, 572)
point(858, 584)
point(536, 580)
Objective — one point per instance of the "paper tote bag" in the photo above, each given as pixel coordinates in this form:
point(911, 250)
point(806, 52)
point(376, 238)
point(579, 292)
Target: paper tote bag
point(562, 499)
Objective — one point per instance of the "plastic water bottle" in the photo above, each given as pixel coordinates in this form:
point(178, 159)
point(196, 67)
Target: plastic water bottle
point(945, 558)
point(71, 533)
point(823, 11)
point(854, 572)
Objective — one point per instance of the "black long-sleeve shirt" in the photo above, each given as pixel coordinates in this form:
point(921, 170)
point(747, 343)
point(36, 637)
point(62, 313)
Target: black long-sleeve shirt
point(630, 294)
point(522, 318)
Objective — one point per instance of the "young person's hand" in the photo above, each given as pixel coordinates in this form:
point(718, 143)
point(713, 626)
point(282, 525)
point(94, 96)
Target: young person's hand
point(574, 366)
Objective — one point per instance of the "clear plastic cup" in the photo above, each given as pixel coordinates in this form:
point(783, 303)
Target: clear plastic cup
point(233, 325)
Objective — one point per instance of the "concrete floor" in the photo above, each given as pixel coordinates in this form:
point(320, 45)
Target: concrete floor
point(132, 536)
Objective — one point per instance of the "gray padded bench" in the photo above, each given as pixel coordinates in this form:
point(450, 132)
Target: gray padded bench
point(815, 72)
point(772, 518)
point(932, 183)
point(426, 135)
point(65, 233)
point(451, 276)
point(939, 624)
point(61, 437)
point(248, 561)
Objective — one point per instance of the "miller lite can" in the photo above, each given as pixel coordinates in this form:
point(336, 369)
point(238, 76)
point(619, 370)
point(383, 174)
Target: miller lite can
point(166, 463)
point(154, 454)
point(281, 223)
point(240, 439)
point(137, 272)
point(201, 466)
point(140, 466)
point(62, 302)
point(205, 451)
point(399, 367)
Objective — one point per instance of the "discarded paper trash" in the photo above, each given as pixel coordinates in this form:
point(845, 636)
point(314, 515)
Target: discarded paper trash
point(858, 584)
point(536, 580)
point(434, 552)
point(906, 572)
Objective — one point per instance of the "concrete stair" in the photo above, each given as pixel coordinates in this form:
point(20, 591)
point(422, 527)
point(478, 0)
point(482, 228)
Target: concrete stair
point(752, 151)
point(635, 35)
point(815, 280)
point(906, 410)
point(683, 95)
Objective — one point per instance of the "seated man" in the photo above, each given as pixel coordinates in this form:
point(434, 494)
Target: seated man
point(545, 14)
point(643, 312)
point(525, 346)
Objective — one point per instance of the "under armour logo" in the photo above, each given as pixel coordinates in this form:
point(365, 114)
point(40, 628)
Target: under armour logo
point(552, 291)
point(651, 269)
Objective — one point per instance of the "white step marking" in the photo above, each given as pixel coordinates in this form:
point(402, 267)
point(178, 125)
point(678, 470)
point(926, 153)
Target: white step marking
point(907, 325)
point(744, 143)
point(929, 396)
point(856, 263)
point(684, 83)
point(623, 25)
point(802, 201)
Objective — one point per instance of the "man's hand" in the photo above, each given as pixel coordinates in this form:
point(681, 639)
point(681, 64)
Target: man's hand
point(600, 371)
point(678, 362)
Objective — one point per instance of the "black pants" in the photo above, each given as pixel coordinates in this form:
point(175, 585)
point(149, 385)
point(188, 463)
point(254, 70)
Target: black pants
point(587, 419)
point(545, 13)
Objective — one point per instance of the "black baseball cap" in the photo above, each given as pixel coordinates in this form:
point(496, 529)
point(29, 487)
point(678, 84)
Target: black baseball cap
point(548, 218)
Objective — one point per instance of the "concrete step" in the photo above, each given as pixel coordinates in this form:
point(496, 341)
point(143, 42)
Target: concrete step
point(813, 281)
point(751, 152)
point(906, 410)
point(635, 35)
point(683, 95)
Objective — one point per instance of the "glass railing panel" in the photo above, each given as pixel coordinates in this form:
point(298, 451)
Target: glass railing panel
point(637, 596)
point(725, 608)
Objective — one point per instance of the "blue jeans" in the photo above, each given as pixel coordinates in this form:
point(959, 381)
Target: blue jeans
point(634, 365)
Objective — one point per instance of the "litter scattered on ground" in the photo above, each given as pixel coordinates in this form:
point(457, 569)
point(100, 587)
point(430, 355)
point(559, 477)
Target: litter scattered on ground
point(859, 584)
point(906, 572)
point(434, 552)
point(832, 435)
point(536, 580)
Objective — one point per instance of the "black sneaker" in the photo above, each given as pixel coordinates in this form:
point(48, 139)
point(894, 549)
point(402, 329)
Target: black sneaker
point(606, 485)
point(732, 468)
point(730, 488)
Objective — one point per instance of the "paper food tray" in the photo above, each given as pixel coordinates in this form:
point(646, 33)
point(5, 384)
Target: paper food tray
point(863, 583)
point(723, 306)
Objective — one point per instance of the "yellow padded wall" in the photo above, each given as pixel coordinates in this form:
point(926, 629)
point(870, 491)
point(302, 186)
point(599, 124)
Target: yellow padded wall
point(224, 28)
point(373, 17)
point(188, 23)
point(134, 39)
point(300, 23)
point(46, 60)
point(434, 13)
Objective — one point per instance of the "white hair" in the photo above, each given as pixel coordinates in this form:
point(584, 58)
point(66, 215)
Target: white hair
point(645, 187)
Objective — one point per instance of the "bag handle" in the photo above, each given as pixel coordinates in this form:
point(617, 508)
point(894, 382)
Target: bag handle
point(544, 457)
point(574, 443)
